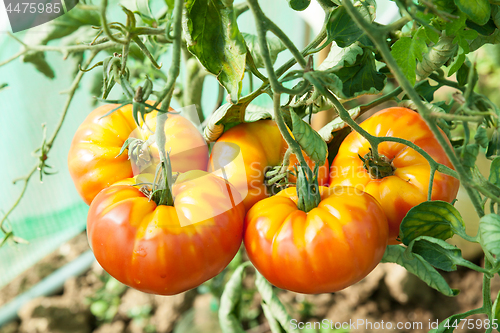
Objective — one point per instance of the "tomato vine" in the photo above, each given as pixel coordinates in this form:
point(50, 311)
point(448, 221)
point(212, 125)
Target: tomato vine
point(429, 43)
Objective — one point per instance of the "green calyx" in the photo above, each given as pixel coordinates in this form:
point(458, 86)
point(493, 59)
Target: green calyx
point(139, 153)
point(377, 168)
point(307, 189)
point(275, 179)
point(162, 185)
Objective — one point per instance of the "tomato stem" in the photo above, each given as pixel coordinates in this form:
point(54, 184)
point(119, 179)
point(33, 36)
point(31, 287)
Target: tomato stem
point(343, 113)
point(307, 188)
point(310, 198)
point(165, 196)
point(381, 44)
point(377, 168)
point(166, 94)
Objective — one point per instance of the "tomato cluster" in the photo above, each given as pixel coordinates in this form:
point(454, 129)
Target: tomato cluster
point(408, 182)
point(162, 249)
point(94, 158)
point(222, 200)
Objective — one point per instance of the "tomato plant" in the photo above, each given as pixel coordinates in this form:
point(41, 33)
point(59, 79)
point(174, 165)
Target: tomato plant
point(262, 148)
point(94, 159)
point(166, 249)
point(324, 250)
point(415, 160)
point(400, 178)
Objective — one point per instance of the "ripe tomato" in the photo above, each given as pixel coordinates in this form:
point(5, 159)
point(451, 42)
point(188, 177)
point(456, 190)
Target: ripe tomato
point(167, 249)
point(262, 147)
point(408, 186)
point(93, 162)
point(325, 250)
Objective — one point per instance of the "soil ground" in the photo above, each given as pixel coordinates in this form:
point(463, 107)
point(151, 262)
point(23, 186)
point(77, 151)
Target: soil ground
point(388, 295)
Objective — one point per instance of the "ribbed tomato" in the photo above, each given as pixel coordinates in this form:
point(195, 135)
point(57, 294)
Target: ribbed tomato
point(261, 147)
point(325, 250)
point(167, 249)
point(93, 162)
point(408, 185)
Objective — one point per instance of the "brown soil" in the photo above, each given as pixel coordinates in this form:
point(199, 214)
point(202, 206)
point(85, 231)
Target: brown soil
point(389, 295)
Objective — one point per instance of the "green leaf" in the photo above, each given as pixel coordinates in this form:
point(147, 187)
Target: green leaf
point(213, 37)
point(339, 57)
point(170, 4)
point(63, 25)
point(437, 219)
point(326, 132)
point(226, 114)
point(494, 145)
point(468, 155)
point(255, 113)
point(496, 308)
point(404, 58)
point(277, 310)
point(3, 86)
point(425, 17)
point(273, 304)
point(229, 300)
point(439, 254)
point(273, 323)
point(495, 16)
point(275, 47)
point(343, 30)
point(60, 27)
point(229, 115)
point(41, 65)
point(461, 38)
point(418, 266)
point(456, 64)
point(481, 40)
point(453, 26)
point(463, 72)
point(407, 50)
point(419, 46)
point(361, 77)
point(309, 140)
point(144, 11)
point(486, 29)
point(427, 91)
point(446, 5)
point(481, 137)
point(489, 231)
point(299, 5)
point(431, 34)
point(495, 172)
point(478, 11)
point(332, 82)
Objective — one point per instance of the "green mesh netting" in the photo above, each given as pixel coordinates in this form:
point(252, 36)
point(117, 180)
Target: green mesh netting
point(52, 212)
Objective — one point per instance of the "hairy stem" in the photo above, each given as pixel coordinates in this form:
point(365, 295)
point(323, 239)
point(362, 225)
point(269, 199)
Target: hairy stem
point(380, 43)
point(166, 197)
point(166, 95)
point(50, 142)
point(343, 114)
point(105, 26)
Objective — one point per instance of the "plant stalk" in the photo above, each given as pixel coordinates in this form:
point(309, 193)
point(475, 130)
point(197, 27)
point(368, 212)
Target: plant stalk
point(380, 42)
